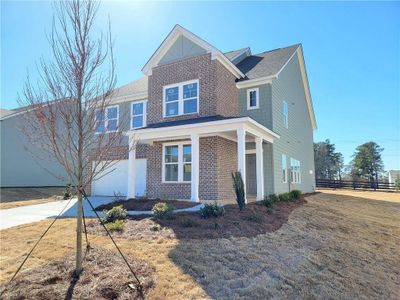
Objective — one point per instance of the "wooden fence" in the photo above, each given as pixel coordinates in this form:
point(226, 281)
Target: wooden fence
point(354, 184)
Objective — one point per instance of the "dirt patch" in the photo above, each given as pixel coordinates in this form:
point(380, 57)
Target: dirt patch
point(255, 219)
point(145, 204)
point(98, 280)
point(333, 247)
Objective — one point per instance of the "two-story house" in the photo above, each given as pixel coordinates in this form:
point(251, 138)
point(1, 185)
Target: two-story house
point(199, 114)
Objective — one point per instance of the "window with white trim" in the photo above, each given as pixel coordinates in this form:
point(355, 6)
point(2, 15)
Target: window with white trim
point(295, 171)
point(177, 165)
point(138, 114)
point(107, 119)
point(284, 168)
point(285, 114)
point(181, 98)
point(252, 98)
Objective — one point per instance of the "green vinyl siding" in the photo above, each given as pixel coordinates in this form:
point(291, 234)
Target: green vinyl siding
point(296, 141)
point(262, 115)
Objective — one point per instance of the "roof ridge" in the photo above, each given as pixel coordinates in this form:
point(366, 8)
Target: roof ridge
point(277, 49)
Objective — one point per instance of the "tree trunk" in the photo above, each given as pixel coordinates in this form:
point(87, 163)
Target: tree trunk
point(78, 262)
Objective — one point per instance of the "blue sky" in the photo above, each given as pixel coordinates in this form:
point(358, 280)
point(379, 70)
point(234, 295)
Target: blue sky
point(352, 52)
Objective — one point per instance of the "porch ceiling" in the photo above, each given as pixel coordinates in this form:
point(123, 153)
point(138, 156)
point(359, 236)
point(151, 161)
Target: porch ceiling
point(225, 128)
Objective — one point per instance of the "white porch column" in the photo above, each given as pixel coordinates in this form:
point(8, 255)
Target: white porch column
point(131, 193)
point(195, 167)
point(260, 168)
point(241, 152)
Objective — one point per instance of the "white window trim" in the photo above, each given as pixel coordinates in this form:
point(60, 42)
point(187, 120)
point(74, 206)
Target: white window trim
point(106, 120)
point(286, 168)
point(257, 98)
point(285, 115)
point(144, 114)
point(180, 161)
point(180, 98)
point(292, 160)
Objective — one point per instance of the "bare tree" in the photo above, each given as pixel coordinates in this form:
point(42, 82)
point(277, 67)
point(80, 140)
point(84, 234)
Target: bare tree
point(67, 116)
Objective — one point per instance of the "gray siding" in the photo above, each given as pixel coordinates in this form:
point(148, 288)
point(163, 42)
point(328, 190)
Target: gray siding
point(182, 48)
point(262, 115)
point(297, 140)
point(19, 167)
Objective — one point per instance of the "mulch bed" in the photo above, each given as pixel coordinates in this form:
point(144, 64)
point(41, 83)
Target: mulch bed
point(104, 276)
point(145, 204)
point(254, 220)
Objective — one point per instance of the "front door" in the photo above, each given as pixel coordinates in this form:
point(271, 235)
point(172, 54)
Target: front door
point(251, 174)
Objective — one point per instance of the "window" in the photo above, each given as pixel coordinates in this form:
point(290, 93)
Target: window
point(284, 168)
point(177, 162)
point(285, 114)
point(181, 99)
point(138, 114)
point(252, 98)
point(295, 173)
point(107, 119)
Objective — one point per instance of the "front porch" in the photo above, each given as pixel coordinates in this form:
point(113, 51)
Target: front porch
point(194, 161)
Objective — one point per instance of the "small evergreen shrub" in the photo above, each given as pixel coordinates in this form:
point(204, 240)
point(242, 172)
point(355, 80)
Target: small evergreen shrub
point(295, 194)
point(68, 191)
point(273, 198)
point(115, 213)
point(211, 210)
point(188, 222)
point(117, 225)
point(270, 200)
point(238, 185)
point(285, 197)
point(162, 210)
point(156, 227)
point(253, 218)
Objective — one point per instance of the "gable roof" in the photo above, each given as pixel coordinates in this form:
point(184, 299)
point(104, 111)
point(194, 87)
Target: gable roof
point(136, 89)
point(178, 31)
point(266, 64)
point(263, 67)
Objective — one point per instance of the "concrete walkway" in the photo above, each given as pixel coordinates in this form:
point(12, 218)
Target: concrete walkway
point(33, 213)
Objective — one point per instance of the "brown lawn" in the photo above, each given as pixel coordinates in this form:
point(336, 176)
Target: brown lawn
point(334, 246)
point(16, 197)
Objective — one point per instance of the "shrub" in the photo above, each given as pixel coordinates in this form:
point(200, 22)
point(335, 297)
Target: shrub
point(253, 218)
point(273, 198)
point(156, 227)
point(115, 213)
point(189, 223)
point(295, 194)
point(238, 185)
point(211, 210)
point(270, 200)
point(285, 197)
point(117, 225)
point(162, 210)
point(68, 191)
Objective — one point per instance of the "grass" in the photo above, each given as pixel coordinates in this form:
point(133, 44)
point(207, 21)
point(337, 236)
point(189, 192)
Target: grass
point(334, 246)
point(17, 197)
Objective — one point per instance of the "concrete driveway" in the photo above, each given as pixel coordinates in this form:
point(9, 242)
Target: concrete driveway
point(33, 213)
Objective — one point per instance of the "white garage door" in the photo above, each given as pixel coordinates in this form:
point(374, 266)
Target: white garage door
point(116, 181)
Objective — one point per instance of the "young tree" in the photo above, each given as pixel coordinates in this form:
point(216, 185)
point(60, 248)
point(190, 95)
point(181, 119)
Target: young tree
point(367, 161)
point(66, 107)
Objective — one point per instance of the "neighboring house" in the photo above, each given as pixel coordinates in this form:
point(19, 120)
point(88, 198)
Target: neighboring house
point(22, 164)
point(199, 114)
point(392, 175)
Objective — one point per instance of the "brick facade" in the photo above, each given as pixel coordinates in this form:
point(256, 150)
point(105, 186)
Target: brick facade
point(217, 89)
point(218, 158)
